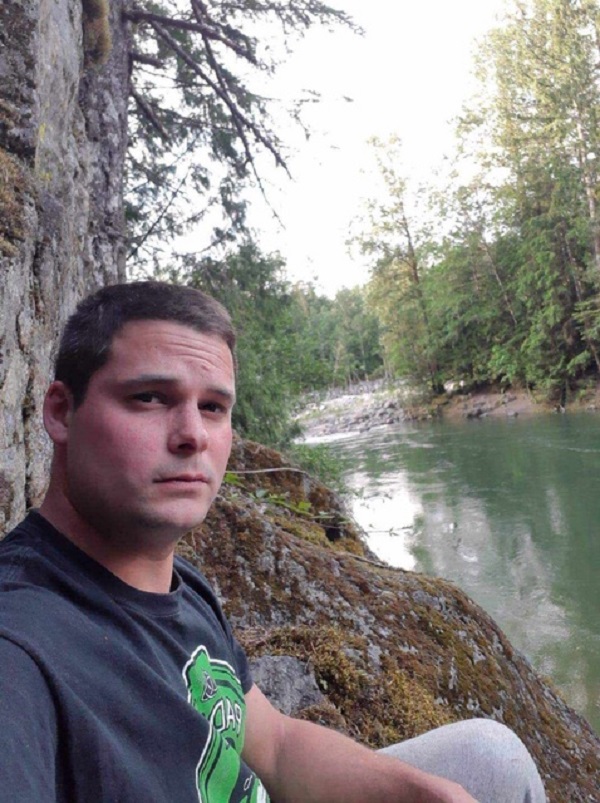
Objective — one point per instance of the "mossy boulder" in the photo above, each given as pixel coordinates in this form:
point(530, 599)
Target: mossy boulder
point(394, 653)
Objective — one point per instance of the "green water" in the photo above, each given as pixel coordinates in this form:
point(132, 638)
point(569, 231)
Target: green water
point(509, 510)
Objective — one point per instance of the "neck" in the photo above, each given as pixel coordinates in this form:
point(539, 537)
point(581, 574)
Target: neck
point(144, 568)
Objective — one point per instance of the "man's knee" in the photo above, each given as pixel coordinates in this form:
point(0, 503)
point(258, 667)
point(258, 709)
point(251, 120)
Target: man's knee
point(488, 737)
point(485, 757)
point(494, 744)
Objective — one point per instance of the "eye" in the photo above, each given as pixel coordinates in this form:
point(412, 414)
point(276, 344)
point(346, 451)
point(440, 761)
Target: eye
point(149, 397)
point(213, 407)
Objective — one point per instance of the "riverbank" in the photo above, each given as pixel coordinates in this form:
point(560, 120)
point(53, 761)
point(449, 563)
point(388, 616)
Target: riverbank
point(371, 405)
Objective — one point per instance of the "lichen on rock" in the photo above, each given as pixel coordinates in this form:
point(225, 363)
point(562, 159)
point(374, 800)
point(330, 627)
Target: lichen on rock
point(394, 653)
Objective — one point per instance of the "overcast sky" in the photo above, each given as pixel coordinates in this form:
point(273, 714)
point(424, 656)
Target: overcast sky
point(408, 75)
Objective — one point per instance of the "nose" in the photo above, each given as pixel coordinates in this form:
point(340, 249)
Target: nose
point(187, 432)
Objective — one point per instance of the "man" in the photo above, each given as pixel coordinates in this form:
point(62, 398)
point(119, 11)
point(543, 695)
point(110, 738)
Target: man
point(121, 680)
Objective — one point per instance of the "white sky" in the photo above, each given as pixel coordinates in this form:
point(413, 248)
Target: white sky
point(408, 75)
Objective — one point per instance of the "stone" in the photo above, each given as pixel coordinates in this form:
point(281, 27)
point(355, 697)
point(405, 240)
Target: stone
point(287, 682)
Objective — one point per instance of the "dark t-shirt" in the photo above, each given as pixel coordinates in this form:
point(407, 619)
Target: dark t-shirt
point(108, 693)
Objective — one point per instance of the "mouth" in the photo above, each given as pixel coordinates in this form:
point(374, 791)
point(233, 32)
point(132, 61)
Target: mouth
point(186, 479)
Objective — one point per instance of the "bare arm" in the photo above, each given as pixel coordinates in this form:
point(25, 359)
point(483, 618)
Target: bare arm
point(300, 762)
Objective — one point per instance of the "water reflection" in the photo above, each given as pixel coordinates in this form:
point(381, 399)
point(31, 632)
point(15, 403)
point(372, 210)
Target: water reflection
point(388, 515)
point(510, 510)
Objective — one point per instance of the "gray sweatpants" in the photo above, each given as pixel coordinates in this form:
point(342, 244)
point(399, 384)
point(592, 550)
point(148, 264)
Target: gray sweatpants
point(485, 758)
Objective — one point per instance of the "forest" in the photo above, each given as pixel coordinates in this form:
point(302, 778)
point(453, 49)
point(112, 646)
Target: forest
point(161, 116)
point(498, 283)
point(488, 277)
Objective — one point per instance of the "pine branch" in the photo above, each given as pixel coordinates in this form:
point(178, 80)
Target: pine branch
point(142, 58)
point(225, 88)
point(148, 112)
point(241, 122)
point(137, 15)
point(158, 219)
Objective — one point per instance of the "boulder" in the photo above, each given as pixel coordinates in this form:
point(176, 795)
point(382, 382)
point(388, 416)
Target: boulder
point(287, 682)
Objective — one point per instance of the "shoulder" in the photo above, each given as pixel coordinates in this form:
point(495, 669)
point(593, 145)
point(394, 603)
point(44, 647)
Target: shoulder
point(24, 689)
point(43, 589)
point(32, 525)
point(20, 670)
point(23, 551)
point(26, 577)
point(29, 733)
point(20, 542)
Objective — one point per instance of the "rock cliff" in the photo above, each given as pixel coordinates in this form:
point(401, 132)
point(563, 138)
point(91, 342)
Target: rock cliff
point(393, 653)
point(63, 119)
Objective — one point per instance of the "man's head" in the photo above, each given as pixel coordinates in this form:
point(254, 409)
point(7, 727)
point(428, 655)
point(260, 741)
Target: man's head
point(140, 416)
point(88, 335)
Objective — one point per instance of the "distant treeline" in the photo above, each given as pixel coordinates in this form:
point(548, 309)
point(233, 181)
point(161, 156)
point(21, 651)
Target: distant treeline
point(496, 278)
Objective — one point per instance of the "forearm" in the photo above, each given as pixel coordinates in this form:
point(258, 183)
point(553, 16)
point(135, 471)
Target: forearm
point(316, 765)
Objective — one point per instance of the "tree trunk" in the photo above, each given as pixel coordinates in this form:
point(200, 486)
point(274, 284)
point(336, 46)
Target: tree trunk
point(63, 123)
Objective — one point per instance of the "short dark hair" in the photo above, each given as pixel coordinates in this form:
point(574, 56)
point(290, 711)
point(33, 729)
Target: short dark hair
point(88, 335)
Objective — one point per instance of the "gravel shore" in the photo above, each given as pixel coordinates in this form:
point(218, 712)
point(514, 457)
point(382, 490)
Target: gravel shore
point(371, 405)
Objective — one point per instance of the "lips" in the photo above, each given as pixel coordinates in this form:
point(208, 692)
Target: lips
point(184, 478)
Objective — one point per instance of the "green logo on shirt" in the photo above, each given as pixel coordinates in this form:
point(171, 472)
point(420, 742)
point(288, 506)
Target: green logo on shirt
point(216, 693)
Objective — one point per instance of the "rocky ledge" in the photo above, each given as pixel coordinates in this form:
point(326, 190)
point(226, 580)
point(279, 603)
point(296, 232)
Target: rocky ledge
point(378, 653)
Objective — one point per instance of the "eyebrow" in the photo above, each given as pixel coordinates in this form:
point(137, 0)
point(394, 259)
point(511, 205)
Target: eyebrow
point(165, 379)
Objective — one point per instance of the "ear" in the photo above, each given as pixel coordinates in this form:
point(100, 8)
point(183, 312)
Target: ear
point(58, 409)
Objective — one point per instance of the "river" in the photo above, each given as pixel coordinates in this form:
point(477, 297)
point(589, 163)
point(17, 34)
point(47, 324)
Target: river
point(509, 509)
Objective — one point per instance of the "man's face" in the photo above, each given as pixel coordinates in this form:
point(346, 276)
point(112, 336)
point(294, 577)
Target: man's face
point(147, 449)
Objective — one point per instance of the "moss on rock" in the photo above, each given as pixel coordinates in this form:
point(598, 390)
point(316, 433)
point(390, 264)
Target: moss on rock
point(97, 40)
point(13, 182)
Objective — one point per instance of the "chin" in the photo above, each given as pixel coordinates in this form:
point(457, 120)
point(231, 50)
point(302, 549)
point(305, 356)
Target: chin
point(178, 521)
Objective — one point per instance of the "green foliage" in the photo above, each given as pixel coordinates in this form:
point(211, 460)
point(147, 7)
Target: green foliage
point(496, 280)
point(505, 289)
point(336, 341)
point(400, 249)
point(260, 302)
point(320, 461)
point(290, 340)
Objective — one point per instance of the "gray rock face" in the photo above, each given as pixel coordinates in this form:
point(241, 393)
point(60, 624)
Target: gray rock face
point(62, 148)
point(287, 682)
